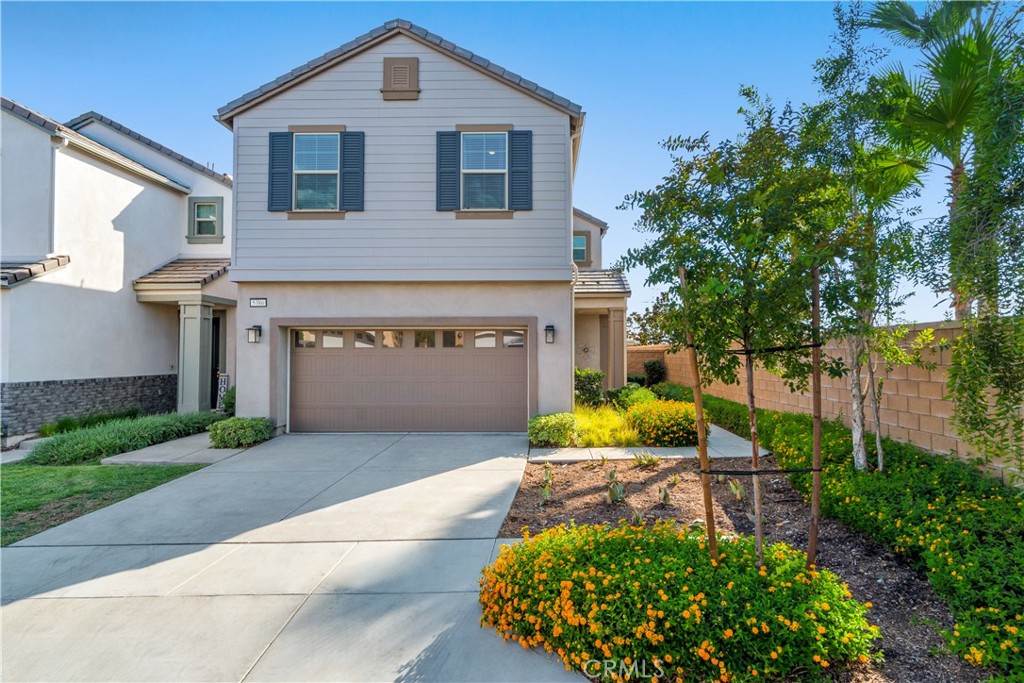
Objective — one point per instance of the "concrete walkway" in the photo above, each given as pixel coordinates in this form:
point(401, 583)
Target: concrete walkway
point(311, 557)
point(188, 450)
point(721, 444)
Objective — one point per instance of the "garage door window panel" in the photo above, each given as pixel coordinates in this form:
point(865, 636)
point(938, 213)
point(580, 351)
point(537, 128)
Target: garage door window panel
point(484, 339)
point(392, 339)
point(333, 339)
point(365, 339)
point(513, 339)
point(304, 339)
point(453, 339)
point(425, 339)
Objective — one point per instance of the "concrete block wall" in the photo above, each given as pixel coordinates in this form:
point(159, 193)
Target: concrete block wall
point(913, 407)
point(27, 405)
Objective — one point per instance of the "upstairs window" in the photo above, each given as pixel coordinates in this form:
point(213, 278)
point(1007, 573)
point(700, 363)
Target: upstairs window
point(316, 169)
point(205, 220)
point(581, 248)
point(484, 171)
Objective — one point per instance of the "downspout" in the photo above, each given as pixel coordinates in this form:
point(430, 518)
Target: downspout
point(57, 142)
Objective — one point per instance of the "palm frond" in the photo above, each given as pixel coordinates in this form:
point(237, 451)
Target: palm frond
point(900, 20)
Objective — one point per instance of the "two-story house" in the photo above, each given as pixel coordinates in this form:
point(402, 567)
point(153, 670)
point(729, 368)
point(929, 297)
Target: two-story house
point(111, 295)
point(405, 243)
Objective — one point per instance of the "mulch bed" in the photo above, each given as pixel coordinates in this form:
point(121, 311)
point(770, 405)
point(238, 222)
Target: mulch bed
point(906, 609)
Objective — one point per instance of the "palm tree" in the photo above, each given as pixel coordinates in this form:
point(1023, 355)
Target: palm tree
point(934, 113)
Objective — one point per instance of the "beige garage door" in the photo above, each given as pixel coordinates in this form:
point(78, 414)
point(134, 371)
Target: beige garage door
point(401, 380)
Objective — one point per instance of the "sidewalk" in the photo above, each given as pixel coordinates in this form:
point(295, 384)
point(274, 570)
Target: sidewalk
point(188, 450)
point(721, 444)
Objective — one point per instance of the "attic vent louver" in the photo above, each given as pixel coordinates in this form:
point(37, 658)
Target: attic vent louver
point(401, 78)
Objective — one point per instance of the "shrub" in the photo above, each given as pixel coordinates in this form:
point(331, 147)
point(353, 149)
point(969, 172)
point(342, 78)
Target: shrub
point(664, 423)
point(603, 426)
point(629, 396)
point(965, 530)
point(557, 430)
point(637, 379)
point(589, 386)
point(728, 415)
point(240, 432)
point(228, 403)
point(70, 424)
point(655, 371)
point(649, 597)
point(118, 436)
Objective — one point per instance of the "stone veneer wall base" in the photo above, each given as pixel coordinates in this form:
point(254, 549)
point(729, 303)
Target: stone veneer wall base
point(27, 405)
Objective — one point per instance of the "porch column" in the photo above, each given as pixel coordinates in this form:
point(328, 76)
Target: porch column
point(603, 328)
point(194, 354)
point(617, 346)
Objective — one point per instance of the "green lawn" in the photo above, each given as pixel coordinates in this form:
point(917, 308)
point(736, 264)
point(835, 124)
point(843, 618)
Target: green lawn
point(34, 498)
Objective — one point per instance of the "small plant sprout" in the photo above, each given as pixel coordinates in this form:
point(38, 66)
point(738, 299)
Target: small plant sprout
point(604, 460)
point(644, 459)
point(545, 493)
point(636, 519)
point(737, 489)
point(673, 480)
point(548, 477)
point(611, 476)
point(720, 478)
point(664, 497)
point(616, 492)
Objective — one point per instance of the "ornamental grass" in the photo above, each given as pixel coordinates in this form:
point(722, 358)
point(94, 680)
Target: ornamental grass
point(631, 602)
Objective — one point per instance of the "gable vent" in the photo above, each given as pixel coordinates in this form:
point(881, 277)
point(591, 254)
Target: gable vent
point(401, 78)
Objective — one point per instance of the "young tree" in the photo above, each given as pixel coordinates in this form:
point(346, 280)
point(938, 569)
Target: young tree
point(650, 326)
point(735, 216)
point(861, 282)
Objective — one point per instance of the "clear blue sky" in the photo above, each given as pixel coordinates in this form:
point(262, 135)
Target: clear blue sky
point(641, 71)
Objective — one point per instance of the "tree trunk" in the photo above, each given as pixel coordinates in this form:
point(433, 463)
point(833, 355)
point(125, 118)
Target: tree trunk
point(702, 435)
point(812, 534)
point(961, 303)
point(754, 450)
point(857, 417)
point(876, 410)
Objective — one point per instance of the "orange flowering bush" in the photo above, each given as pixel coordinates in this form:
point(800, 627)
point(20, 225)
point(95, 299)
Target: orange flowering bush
point(664, 423)
point(632, 602)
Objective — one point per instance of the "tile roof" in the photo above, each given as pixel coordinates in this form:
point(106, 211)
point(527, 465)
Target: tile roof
point(16, 273)
point(94, 147)
point(187, 271)
point(83, 120)
point(402, 26)
point(593, 219)
point(601, 282)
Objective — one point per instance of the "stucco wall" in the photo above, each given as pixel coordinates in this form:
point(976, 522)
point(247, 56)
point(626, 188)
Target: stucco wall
point(83, 321)
point(201, 186)
point(400, 235)
point(25, 209)
point(588, 341)
point(262, 380)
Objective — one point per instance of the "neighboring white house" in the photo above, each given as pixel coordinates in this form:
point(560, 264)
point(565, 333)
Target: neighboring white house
point(111, 250)
point(405, 242)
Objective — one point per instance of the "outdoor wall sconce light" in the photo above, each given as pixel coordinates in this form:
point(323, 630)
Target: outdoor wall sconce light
point(549, 334)
point(255, 332)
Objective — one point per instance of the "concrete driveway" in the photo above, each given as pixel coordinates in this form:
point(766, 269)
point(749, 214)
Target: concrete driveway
point(309, 558)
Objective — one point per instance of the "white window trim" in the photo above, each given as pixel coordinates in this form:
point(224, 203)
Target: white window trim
point(463, 172)
point(295, 174)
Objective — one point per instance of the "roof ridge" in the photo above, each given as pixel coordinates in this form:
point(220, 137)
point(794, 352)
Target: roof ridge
point(82, 119)
point(423, 34)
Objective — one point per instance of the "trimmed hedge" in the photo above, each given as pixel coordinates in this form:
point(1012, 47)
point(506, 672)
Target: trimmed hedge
point(118, 436)
point(963, 529)
point(240, 432)
point(655, 370)
point(557, 430)
point(664, 423)
point(630, 395)
point(648, 601)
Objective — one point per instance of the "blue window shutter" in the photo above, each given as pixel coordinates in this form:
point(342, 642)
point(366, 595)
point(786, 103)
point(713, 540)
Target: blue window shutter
point(353, 152)
point(279, 192)
point(449, 169)
point(520, 170)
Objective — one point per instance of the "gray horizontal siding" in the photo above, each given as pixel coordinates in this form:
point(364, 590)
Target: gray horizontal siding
point(400, 235)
